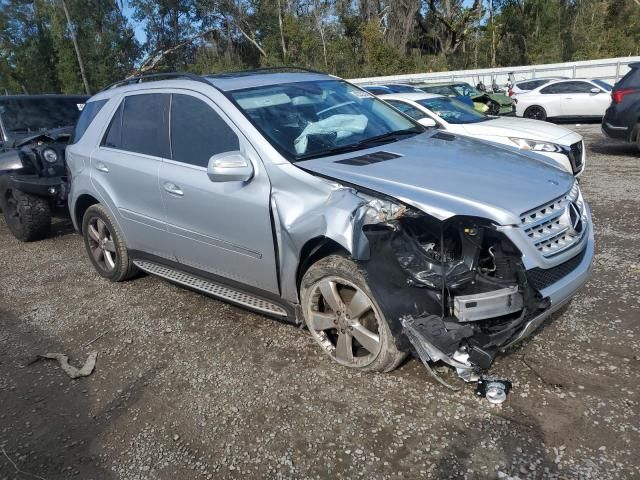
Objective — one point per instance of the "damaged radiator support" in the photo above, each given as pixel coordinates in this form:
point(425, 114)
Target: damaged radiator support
point(480, 306)
point(453, 291)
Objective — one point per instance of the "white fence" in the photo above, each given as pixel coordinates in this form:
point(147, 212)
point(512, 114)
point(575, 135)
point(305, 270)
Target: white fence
point(609, 69)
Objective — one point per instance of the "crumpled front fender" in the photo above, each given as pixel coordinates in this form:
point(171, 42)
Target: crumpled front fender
point(10, 161)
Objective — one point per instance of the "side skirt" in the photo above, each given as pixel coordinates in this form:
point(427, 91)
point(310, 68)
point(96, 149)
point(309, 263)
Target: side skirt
point(214, 286)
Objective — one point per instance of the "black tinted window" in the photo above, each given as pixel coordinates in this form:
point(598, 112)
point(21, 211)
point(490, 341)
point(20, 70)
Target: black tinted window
point(578, 87)
point(113, 137)
point(89, 112)
point(568, 87)
point(555, 88)
point(145, 126)
point(531, 85)
point(32, 114)
point(198, 132)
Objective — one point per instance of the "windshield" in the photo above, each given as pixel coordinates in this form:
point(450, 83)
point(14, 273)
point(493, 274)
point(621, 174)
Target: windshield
point(306, 120)
point(604, 85)
point(452, 110)
point(466, 90)
point(31, 115)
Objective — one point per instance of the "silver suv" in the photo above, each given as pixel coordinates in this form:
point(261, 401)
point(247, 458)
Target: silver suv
point(301, 196)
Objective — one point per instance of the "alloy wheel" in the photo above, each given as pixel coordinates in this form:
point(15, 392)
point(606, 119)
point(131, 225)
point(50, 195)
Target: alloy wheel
point(536, 113)
point(344, 321)
point(101, 244)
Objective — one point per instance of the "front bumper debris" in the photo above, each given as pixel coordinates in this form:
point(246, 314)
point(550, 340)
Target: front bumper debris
point(48, 187)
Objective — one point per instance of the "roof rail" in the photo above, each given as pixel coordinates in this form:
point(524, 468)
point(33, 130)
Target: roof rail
point(155, 77)
point(265, 70)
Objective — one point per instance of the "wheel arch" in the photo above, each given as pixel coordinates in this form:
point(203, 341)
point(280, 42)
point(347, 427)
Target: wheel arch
point(81, 205)
point(314, 250)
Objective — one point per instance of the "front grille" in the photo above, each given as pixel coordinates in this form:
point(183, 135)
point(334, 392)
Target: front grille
point(540, 278)
point(575, 156)
point(558, 225)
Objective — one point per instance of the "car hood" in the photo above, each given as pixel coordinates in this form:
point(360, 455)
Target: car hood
point(446, 175)
point(521, 128)
point(501, 99)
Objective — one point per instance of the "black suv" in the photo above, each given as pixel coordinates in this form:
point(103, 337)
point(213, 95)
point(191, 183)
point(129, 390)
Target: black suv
point(622, 118)
point(34, 131)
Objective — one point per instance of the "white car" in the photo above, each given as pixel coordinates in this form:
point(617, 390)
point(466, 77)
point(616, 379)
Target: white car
point(523, 86)
point(563, 146)
point(575, 98)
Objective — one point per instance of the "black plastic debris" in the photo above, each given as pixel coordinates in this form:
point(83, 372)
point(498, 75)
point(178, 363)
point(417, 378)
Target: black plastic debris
point(494, 389)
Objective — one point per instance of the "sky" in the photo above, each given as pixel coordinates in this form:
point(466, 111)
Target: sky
point(137, 26)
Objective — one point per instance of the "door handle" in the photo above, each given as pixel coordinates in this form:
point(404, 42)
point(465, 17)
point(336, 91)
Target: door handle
point(173, 189)
point(101, 167)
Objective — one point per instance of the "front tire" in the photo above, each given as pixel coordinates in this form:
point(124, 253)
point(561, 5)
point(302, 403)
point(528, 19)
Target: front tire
point(494, 108)
point(535, 112)
point(105, 245)
point(344, 318)
point(28, 216)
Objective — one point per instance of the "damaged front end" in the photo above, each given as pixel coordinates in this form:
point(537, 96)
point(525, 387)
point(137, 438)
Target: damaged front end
point(454, 291)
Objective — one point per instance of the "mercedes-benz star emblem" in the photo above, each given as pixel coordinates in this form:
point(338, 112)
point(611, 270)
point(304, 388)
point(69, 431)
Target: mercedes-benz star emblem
point(574, 217)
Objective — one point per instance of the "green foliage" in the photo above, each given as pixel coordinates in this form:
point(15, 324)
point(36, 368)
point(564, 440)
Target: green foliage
point(344, 37)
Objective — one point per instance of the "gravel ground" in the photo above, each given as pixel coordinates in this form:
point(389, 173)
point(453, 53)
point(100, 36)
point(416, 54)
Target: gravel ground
point(187, 387)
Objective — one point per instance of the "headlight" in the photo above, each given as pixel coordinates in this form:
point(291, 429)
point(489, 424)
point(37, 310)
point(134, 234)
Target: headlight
point(536, 145)
point(381, 210)
point(50, 155)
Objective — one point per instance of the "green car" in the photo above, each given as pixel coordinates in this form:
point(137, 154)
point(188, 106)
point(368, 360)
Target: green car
point(489, 103)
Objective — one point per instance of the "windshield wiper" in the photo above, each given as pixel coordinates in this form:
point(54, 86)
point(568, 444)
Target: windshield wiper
point(368, 142)
point(389, 136)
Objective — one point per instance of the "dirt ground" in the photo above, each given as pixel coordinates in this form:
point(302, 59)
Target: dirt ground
point(187, 387)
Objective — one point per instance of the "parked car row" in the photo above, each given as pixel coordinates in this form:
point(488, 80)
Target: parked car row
point(304, 197)
point(484, 102)
point(563, 146)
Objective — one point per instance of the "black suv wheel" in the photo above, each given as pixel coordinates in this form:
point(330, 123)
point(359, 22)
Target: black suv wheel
point(28, 216)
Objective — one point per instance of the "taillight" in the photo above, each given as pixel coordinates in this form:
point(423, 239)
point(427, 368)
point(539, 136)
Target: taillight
point(510, 93)
point(618, 95)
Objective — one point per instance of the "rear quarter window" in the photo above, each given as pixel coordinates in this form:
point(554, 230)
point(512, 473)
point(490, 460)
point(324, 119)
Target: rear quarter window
point(630, 80)
point(89, 112)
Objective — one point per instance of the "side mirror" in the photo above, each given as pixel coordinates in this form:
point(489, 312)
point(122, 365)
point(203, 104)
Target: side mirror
point(427, 122)
point(595, 90)
point(229, 167)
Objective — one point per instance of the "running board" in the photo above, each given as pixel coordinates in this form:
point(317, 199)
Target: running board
point(211, 288)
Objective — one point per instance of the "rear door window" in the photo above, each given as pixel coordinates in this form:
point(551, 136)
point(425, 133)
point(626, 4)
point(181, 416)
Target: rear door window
point(141, 125)
point(552, 89)
point(531, 85)
point(89, 112)
point(198, 132)
point(577, 87)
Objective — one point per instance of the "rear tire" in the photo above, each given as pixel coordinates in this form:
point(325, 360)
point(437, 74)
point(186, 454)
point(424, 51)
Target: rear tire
point(344, 318)
point(638, 136)
point(535, 112)
point(105, 245)
point(28, 216)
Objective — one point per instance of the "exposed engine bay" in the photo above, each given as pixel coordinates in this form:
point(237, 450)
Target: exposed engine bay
point(458, 287)
point(36, 164)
